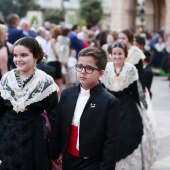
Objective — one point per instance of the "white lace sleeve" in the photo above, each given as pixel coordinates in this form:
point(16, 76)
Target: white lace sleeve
point(134, 55)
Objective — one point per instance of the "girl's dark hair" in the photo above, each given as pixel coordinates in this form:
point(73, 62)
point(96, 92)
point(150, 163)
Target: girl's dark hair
point(129, 35)
point(65, 31)
point(140, 40)
point(109, 48)
point(122, 46)
point(98, 54)
point(33, 46)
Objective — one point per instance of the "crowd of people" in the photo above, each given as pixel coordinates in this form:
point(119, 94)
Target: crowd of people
point(78, 98)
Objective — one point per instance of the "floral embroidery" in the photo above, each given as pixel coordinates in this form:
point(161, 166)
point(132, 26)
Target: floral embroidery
point(39, 87)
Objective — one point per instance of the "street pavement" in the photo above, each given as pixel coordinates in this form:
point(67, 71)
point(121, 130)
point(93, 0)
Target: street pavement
point(161, 107)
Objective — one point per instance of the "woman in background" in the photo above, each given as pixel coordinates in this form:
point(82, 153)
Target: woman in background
point(4, 58)
point(63, 48)
point(137, 141)
point(135, 57)
point(53, 58)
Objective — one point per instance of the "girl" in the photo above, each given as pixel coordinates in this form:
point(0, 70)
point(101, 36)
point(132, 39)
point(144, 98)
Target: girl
point(137, 140)
point(28, 99)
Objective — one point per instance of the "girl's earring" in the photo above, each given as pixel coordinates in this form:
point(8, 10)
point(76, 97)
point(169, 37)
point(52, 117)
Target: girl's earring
point(35, 66)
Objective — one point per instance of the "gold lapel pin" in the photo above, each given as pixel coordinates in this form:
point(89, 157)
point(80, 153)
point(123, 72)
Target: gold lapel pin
point(92, 105)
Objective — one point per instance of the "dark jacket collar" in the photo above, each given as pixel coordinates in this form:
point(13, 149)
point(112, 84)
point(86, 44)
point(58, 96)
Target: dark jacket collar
point(93, 90)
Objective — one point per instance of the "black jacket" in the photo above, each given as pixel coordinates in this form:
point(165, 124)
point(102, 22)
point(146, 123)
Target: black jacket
point(148, 76)
point(99, 126)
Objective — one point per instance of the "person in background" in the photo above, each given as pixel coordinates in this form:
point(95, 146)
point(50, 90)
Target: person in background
point(53, 58)
point(109, 41)
point(135, 57)
point(148, 74)
point(140, 42)
point(13, 32)
point(82, 35)
point(72, 61)
point(158, 55)
point(148, 71)
point(62, 46)
point(76, 43)
point(41, 38)
point(86, 131)
point(101, 36)
point(147, 41)
point(47, 25)
point(4, 58)
point(28, 100)
point(91, 38)
point(24, 25)
point(137, 149)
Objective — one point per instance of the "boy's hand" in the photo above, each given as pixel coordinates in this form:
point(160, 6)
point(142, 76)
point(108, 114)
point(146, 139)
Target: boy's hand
point(59, 160)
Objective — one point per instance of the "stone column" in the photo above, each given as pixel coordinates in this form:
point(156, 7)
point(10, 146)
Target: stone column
point(149, 15)
point(123, 14)
point(167, 17)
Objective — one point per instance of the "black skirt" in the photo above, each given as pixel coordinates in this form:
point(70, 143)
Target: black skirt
point(23, 142)
point(131, 127)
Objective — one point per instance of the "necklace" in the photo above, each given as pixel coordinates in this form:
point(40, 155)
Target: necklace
point(117, 76)
point(21, 83)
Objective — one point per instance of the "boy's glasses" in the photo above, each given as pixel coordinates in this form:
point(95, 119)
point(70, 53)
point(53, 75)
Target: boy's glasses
point(88, 69)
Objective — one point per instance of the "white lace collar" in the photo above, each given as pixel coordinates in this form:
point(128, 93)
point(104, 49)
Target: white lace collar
point(127, 76)
point(38, 88)
point(134, 55)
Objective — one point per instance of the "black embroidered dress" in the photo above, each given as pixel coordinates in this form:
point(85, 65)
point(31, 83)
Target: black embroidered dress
point(23, 132)
point(137, 140)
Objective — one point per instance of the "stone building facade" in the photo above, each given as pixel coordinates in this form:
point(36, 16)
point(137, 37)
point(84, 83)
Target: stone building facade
point(157, 14)
point(121, 14)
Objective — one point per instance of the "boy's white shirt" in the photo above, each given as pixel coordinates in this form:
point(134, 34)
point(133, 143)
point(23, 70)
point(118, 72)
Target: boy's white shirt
point(81, 102)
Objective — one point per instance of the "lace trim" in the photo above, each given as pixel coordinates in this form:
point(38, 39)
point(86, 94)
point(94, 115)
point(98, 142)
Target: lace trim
point(134, 55)
point(19, 81)
point(127, 76)
point(38, 88)
point(145, 155)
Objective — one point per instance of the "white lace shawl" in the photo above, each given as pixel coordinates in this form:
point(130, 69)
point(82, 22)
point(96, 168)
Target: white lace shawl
point(127, 76)
point(38, 88)
point(134, 55)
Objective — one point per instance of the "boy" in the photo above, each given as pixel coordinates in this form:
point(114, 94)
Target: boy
point(87, 123)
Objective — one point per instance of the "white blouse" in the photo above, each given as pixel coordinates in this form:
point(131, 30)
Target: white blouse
point(81, 102)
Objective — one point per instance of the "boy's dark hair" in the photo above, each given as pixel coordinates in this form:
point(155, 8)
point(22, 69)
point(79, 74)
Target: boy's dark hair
point(98, 54)
point(140, 40)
